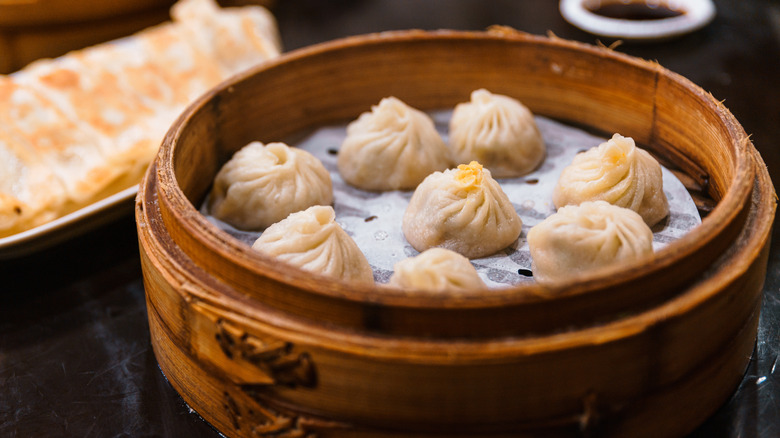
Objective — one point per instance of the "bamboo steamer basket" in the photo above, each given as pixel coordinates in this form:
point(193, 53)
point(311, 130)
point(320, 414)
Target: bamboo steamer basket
point(259, 348)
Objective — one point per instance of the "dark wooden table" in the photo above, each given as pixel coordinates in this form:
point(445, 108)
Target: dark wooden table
point(75, 356)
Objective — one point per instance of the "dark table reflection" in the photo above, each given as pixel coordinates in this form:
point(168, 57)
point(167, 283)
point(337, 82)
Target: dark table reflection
point(75, 355)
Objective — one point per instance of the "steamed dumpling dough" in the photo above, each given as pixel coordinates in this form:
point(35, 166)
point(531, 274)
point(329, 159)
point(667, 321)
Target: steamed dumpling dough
point(393, 147)
point(262, 185)
point(617, 172)
point(463, 210)
point(581, 238)
point(499, 132)
point(313, 241)
point(436, 269)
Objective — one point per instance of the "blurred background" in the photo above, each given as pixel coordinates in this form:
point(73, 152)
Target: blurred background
point(75, 358)
point(33, 29)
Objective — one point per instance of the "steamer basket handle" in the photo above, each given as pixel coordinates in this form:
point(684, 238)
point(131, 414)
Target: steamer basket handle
point(248, 360)
point(274, 361)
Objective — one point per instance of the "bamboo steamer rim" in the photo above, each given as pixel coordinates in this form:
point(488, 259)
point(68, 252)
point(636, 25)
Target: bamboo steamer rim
point(727, 210)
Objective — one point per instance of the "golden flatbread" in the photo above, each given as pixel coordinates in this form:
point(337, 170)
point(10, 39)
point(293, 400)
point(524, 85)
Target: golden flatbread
point(77, 128)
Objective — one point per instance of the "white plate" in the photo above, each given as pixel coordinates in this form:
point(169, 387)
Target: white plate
point(68, 226)
point(696, 14)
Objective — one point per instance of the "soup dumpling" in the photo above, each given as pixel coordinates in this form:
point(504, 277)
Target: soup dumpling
point(392, 147)
point(464, 210)
point(313, 241)
point(618, 172)
point(499, 132)
point(262, 184)
point(436, 269)
point(582, 238)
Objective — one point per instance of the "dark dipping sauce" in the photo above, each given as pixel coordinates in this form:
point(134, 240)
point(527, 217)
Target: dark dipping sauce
point(635, 11)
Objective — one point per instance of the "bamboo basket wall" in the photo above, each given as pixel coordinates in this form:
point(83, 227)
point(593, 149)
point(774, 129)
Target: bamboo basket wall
point(648, 349)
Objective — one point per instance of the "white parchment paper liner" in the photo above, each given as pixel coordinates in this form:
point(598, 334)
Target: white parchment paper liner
point(374, 219)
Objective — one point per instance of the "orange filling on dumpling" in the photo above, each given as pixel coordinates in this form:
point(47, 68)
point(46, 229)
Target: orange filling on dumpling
point(469, 175)
point(615, 151)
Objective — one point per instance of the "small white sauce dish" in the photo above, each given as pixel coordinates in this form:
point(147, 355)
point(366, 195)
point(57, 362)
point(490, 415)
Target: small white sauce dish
point(640, 20)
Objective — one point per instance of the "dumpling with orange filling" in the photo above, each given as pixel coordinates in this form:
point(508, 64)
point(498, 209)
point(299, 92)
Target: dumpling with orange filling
point(618, 172)
point(462, 209)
